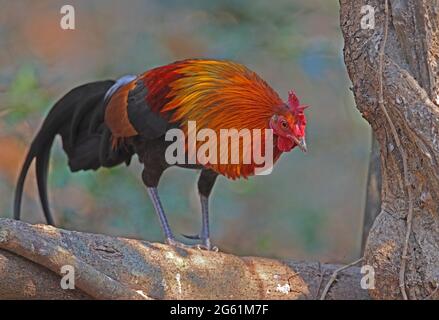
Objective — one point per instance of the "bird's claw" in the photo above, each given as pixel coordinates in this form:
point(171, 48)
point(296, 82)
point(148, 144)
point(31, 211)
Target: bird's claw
point(178, 244)
point(204, 246)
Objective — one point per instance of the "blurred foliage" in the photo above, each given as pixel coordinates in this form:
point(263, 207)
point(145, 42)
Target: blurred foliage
point(24, 95)
point(309, 207)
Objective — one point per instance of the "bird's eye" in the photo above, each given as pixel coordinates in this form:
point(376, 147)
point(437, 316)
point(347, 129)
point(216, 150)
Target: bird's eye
point(284, 124)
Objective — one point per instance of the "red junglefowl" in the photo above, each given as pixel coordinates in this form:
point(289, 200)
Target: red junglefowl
point(103, 124)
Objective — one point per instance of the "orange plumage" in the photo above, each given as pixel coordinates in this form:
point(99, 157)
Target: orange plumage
point(216, 94)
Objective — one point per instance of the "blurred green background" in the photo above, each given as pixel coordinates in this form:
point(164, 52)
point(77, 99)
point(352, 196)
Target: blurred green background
point(310, 207)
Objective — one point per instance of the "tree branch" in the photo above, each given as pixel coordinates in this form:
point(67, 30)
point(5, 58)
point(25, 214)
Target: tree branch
point(334, 277)
point(31, 257)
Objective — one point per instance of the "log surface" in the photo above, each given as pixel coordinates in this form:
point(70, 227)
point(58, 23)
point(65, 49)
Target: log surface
point(31, 257)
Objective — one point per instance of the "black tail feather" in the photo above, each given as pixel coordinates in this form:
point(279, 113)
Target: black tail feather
point(72, 117)
point(79, 115)
point(103, 146)
point(96, 118)
point(42, 166)
point(20, 183)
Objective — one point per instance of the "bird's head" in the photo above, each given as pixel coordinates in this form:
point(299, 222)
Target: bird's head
point(289, 123)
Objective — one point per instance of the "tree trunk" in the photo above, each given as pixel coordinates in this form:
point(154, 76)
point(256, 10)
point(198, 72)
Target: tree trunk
point(31, 258)
point(397, 93)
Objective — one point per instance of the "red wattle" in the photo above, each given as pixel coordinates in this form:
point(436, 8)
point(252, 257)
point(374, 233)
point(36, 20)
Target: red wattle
point(284, 144)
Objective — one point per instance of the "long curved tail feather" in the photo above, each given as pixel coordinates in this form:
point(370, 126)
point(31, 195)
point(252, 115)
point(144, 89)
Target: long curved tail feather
point(72, 117)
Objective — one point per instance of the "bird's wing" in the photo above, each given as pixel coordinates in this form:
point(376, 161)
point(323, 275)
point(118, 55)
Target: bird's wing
point(128, 113)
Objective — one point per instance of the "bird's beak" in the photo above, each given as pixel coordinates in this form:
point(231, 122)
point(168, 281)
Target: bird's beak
point(301, 143)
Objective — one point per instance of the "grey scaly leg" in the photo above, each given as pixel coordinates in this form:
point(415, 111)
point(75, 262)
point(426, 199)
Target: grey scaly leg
point(153, 194)
point(205, 232)
point(205, 184)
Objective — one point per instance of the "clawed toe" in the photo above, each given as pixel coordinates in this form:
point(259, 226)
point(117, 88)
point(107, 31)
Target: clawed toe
point(178, 244)
point(205, 246)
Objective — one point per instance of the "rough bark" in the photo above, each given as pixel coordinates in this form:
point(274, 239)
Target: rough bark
point(410, 96)
point(31, 257)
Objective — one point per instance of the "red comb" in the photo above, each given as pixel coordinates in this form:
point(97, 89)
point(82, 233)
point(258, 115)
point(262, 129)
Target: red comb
point(294, 103)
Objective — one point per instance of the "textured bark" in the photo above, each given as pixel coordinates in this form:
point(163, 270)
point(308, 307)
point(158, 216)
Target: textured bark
point(410, 95)
point(31, 257)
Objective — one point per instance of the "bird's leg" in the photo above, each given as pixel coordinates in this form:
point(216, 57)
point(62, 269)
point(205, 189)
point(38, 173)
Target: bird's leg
point(153, 194)
point(205, 231)
point(151, 176)
point(205, 185)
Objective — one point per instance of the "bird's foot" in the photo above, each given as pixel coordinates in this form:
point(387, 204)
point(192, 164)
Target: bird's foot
point(177, 244)
point(205, 245)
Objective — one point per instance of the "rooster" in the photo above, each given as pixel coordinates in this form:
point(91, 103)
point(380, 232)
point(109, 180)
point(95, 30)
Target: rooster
point(105, 123)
